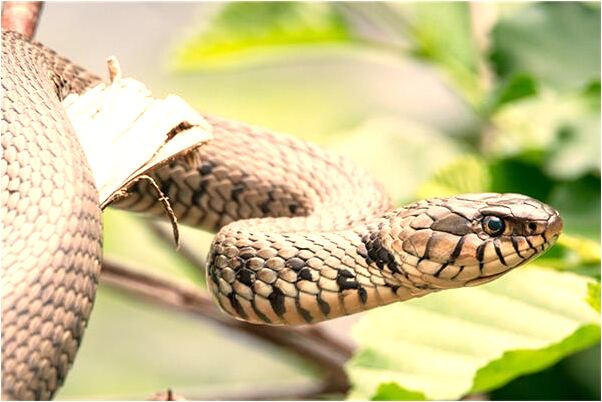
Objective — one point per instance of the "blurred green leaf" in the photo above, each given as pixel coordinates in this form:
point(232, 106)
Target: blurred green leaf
point(251, 32)
point(556, 42)
point(592, 95)
point(442, 34)
point(576, 253)
point(561, 131)
point(588, 250)
point(593, 295)
point(393, 392)
point(400, 152)
point(473, 339)
point(467, 174)
point(579, 204)
point(520, 175)
point(528, 125)
point(147, 250)
point(577, 149)
point(517, 87)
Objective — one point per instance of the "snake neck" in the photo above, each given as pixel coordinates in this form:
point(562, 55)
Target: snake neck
point(304, 277)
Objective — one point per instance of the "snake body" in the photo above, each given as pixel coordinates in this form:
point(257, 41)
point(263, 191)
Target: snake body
point(303, 235)
point(349, 251)
point(51, 234)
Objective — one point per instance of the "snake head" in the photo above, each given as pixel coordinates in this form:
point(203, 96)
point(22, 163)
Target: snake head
point(469, 239)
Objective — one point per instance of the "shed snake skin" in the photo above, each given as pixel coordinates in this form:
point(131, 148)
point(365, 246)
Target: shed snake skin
point(303, 235)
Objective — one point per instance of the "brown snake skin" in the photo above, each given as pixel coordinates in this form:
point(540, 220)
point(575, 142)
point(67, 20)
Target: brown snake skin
point(304, 235)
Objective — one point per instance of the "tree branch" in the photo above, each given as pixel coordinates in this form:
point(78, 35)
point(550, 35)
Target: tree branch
point(297, 392)
point(301, 342)
point(21, 17)
point(189, 252)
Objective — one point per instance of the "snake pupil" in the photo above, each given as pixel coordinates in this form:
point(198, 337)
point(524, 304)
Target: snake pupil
point(493, 225)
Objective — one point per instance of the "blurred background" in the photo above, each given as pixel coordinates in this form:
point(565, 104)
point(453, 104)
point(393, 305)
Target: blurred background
point(431, 98)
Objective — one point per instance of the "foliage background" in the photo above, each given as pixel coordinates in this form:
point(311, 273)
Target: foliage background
point(432, 99)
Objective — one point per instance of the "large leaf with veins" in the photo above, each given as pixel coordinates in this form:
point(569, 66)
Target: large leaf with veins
point(470, 340)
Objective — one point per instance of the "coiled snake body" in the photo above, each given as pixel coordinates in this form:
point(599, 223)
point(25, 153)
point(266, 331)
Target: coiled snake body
point(303, 235)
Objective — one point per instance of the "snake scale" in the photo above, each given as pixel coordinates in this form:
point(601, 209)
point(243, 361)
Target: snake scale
point(303, 235)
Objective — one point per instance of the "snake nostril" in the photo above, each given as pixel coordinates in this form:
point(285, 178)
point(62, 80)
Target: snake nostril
point(555, 226)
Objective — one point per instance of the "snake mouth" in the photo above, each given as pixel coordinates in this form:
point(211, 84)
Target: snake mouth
point(486, 278)
point(537, 251)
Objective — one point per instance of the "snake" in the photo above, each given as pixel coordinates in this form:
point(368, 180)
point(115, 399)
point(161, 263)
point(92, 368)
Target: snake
point(303, 235)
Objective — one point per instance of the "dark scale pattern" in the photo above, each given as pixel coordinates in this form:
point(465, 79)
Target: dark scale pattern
point(346, 280)
point(374, 251)
point(276, 298)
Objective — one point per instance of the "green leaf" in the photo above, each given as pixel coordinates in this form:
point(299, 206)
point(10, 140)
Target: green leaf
point(158, 257)
point(504, 369)
point(400, 152)
point(516, 87)
point(592, 95)
point(449, 344)
point(593, 295)
point(579, 204)
point(252, 32)
point(575, 253)
point(561, 130)
point(467, 174)
point(393, 392)
point(521, 175)
point(557, 43)
point(587, 250)
point(577, 149)
point(442, 34)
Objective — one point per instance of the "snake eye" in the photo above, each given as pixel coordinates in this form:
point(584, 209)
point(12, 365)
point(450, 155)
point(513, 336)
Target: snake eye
point(493, 225)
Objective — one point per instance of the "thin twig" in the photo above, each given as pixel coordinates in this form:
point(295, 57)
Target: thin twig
point(164, 201)
point(21, 17)
point(167, 395)
point(188, 299)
